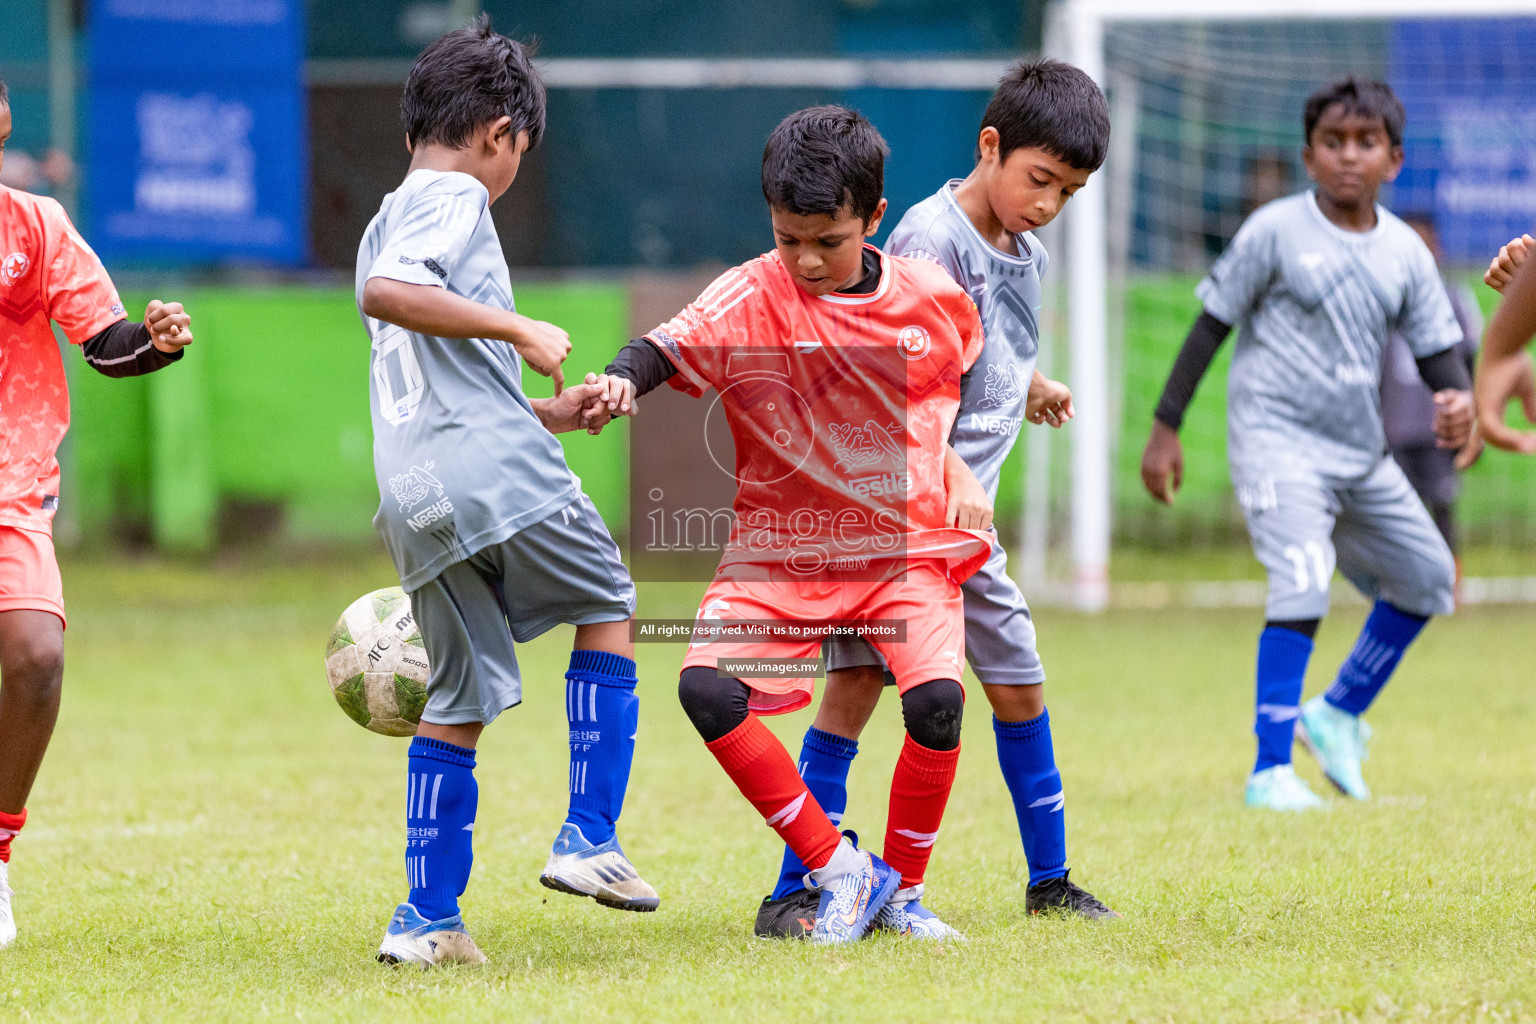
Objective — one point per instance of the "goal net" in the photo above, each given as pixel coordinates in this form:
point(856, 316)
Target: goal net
point(1207, 126)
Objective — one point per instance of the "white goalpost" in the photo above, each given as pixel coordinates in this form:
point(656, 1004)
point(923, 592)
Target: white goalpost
point(1076, 33)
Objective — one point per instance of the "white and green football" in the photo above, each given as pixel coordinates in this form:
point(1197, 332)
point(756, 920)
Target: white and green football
point(377, 665)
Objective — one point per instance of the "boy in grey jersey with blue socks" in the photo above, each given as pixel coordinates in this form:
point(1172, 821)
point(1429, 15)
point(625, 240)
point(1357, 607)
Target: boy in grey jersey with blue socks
point(1316, 283)
point(488, 527)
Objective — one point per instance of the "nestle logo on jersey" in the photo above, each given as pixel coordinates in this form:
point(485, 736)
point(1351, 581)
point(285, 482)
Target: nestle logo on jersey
point(429, 515)
point(1004, 425)
point(879, 486)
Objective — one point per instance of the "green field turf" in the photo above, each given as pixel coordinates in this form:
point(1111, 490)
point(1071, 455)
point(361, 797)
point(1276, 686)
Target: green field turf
point(211, 838)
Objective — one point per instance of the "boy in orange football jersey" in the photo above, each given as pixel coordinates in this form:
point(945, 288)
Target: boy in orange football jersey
point(47, 272)
point(838, 369)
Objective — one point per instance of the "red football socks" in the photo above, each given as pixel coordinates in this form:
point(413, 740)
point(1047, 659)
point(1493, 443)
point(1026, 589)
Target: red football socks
point(10, 824)
point(919, 790)
point(762, 769)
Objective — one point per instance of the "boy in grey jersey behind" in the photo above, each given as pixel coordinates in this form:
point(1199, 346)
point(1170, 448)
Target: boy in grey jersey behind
point(1044, 132)
point(1316, 284)
point(488, 527)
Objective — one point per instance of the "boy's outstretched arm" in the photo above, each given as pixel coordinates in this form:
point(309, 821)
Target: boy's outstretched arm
point(966, 503)
point(1162, 462)
point(128, 349)
point(426, 309)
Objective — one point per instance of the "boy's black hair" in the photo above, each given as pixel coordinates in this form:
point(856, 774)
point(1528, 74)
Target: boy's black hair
point(1358, 96)
point(1053, 106)
point(824, 160)
point(468, 78)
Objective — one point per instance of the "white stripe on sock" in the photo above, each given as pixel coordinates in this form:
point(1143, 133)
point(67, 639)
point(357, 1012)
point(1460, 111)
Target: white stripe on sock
point(410, 793)
point(436, 783)
point(421, 796)
point(594, 702)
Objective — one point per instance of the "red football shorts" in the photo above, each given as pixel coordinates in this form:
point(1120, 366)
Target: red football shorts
point(927, 603)
point(29, 573)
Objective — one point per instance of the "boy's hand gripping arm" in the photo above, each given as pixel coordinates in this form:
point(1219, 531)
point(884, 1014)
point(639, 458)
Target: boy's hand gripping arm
point(1162, 461)
point(426, 309)
point(966, 500)
point(578, 407)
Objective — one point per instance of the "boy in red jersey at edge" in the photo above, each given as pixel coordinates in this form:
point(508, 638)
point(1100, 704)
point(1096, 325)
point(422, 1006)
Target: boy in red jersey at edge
point(47, 272)
point(838, 370)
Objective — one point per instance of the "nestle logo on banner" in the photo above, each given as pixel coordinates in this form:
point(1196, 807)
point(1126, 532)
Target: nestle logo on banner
point(195, 156)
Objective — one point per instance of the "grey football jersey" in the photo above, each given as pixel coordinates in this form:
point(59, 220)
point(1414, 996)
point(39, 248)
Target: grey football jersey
point(461, 458)
point(1314, 305)
point(1006, 290)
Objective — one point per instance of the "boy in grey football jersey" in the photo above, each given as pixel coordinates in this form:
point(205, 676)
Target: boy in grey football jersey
point(1044, 132)
point(489, 529)
point(1316, 283)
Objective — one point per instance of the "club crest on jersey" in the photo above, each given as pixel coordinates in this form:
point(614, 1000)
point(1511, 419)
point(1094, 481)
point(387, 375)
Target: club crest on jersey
point(15, 267)
point(912, 342)
point(1003, 386)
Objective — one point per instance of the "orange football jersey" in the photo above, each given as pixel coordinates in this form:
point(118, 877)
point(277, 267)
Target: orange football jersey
point(47, 272)
point(840, 407)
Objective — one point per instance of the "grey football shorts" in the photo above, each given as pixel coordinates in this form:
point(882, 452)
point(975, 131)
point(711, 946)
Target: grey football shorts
point(999, 631)
point(1373, 528)
point(565, 568)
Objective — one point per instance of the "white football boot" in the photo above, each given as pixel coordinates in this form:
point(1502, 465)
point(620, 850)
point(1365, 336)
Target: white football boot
point(412, 939)
point(7, 916)
point(602, 872)
point(905, 915)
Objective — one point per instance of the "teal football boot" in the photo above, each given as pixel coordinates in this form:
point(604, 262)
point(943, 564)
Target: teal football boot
point(1337, 739)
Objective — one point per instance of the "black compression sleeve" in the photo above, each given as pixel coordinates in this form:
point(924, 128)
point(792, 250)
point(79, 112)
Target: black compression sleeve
point(125, 350)
point(1200, 346)
point(642, 363)
point(1445, 370)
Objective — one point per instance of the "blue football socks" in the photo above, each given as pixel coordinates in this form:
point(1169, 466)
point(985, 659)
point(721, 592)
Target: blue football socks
point(604, 715)
point(1283, 657)
point(440, 801)
point(824, 762)
point(1387, 633)
point(1028, 761)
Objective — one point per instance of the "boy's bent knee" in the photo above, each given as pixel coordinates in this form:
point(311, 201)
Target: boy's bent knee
point(33, 659)
point(933, 712)
point(714, 705)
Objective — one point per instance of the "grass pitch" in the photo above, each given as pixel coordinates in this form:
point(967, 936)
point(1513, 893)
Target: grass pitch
point(212, 839)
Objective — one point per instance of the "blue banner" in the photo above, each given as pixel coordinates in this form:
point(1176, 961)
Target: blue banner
point(1470, 142)
point(197, 150)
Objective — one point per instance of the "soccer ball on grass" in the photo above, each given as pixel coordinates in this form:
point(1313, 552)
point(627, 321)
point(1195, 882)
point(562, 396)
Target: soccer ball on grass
point(377, 665)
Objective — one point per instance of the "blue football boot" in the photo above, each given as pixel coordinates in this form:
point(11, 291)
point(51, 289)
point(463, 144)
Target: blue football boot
point(848, 906)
